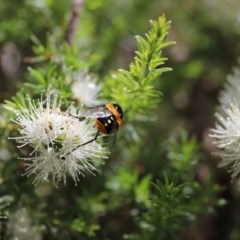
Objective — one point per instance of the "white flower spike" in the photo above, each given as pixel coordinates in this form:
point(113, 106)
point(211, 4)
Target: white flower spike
point(226, 134)
point(53, 135)
point(20, 226)
point(85, 89)
point(231, 89)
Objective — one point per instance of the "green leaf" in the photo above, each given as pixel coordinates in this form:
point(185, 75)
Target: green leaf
point(142, 191)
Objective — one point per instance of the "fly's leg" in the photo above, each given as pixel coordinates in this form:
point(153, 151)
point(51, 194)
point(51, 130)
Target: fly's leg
point(80, 145)
point(83, 144)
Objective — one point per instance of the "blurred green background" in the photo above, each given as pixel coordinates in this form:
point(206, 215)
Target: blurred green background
point(207, 48)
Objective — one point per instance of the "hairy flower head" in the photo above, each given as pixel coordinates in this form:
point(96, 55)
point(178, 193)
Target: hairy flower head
point(54, 136)
point(226, 134)
point(231, 90)
point(85, 89)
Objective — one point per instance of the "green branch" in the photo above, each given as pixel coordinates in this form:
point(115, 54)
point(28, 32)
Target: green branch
point(134, 89)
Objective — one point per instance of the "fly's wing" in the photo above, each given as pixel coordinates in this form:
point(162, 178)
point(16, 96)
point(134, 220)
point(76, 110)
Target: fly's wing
point(96, 112)
point(111, 137)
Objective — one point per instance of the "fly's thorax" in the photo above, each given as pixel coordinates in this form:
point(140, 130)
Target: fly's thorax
point(116, 111)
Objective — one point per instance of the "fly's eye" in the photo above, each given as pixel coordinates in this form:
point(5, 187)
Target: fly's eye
point(119, 110)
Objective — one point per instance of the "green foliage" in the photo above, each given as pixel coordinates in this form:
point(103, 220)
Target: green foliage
point(136, 86)
point(175, 201)
point(174, 205)
point(168, 208)
point(183, 154)
point(5, 201)
point(46, 12)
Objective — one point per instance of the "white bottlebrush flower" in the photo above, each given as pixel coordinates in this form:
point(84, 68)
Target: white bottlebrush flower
point(54, 136)
point(86, 89)
point(20, 226)
point(231, 90)
point(226, 134)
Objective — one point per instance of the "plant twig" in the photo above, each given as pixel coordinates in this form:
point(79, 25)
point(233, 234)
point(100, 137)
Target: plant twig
point(77, 6)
